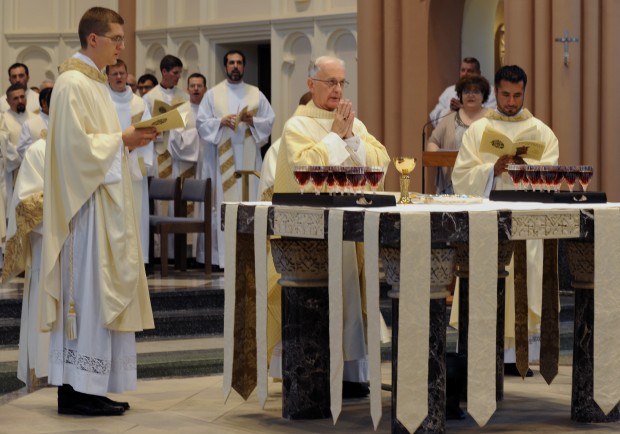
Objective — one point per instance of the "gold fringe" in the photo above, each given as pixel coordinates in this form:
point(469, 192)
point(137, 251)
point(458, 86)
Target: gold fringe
point(28, 215)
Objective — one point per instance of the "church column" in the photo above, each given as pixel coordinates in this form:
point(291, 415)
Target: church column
point(127, 9)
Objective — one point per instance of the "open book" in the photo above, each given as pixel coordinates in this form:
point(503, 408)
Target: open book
point(524, 145)
point(175, 118)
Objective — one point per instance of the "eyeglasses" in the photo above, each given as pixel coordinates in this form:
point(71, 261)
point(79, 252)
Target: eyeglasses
point(333, 83)
point(472, 92)
point(118, 40)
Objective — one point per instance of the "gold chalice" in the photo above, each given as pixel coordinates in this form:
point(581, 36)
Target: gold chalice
point(405, 166)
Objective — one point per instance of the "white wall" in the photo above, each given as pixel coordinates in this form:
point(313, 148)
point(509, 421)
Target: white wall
point(43, 33)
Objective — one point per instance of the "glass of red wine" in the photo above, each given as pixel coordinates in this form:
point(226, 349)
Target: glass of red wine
point(585, 175)
point(517, 173)
point(571, 174)
point(302, 176)
point(318, 175)
point(356, 178)
point(374, 175)
point(339, 174)
point(533, 175)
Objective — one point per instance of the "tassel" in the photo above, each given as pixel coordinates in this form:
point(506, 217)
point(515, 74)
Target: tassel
point(71, 325)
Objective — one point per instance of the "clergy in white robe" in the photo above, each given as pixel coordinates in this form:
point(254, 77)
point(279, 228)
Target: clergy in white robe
point(95, 295)
point(11, 123)
point(193, 158)
point(131, 109)
point(158, 100)
point(477, 173)
point(23, 254)
point(235, 119)
point(326, 132)
point(35, 128)
point(32, 102)
point(20, 74)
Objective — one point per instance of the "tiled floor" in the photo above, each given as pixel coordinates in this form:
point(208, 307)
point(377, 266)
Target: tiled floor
point(196, 405)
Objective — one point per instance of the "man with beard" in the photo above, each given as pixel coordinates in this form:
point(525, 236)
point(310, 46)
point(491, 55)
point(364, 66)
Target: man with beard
point(477, 173)
point(235, 118)
point(18, 74)
point(168, 93)
point(10, 128)
point(131, 109)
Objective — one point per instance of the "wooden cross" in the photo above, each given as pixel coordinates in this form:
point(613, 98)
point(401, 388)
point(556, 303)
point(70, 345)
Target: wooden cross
point(566, 40)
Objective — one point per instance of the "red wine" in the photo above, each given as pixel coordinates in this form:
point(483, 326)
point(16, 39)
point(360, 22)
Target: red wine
point(374, 178)
point(302, 177)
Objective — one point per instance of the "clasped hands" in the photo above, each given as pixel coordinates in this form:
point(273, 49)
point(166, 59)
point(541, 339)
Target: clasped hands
point(343, 119)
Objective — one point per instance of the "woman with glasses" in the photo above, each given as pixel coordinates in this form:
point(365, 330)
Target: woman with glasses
point(472, 91)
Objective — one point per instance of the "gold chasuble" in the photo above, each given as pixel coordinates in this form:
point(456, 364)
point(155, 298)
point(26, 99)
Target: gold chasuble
point(84, 137)
point(225, 149)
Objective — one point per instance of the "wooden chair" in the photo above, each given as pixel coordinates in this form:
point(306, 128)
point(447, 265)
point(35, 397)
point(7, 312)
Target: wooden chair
point(194, 190)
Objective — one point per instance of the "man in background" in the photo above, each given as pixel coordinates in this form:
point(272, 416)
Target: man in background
point(19, 74)
point(236, 119)
point(449, 101)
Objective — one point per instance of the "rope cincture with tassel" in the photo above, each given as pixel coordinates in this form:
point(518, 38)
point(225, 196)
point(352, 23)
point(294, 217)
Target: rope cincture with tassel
point(71, 324)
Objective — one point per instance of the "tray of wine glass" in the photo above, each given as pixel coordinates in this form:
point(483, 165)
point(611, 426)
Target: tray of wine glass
point(326, 200)
point(577, 197)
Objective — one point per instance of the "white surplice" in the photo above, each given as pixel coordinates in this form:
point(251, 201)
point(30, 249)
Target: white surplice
point(131, 108)
point(212, 132)
point(33, 129)
point(90, 239)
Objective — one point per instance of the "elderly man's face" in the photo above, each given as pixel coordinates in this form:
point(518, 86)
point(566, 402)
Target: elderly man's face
point(17, 100)
point(325, 94)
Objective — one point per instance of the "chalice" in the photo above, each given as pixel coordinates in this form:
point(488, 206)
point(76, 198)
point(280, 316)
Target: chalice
point(405, 166)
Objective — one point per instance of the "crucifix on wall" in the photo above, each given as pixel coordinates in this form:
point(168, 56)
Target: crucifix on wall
point(566, 40)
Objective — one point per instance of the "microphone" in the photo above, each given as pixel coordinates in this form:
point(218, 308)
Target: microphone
point(424, 144)
point(429, 123)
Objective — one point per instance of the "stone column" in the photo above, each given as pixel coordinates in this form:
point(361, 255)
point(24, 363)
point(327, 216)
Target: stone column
point(504, 254)
point(442, 272)
point(305, 326)
point(581, 266)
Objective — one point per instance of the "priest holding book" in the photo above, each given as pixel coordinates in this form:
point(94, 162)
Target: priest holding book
point(478, 170)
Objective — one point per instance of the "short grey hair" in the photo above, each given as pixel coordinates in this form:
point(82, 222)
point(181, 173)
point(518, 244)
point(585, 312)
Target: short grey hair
point(315, 66)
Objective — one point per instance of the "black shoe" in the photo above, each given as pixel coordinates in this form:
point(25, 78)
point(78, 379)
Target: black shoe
point(351, 390)
point(73, 402)
point(510, 369)
point(109, 401)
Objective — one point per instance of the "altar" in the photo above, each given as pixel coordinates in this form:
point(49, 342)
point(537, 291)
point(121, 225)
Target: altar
point(309, 243)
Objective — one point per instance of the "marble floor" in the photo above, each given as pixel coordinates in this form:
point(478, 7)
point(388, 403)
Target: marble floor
point(195, 404)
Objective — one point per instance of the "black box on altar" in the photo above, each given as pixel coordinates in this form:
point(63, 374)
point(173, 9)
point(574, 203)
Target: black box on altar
point(577, 197)
point(325, 200)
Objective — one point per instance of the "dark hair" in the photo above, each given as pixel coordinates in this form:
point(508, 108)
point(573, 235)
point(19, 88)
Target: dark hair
point(97, 20)
point(119, 62)
point(45, 96)
point(145, 77)
point(473, 81)
point(511, 73)
point(472, 60)
point(197, 75)
point(18, 65)
point(169, 61)
point(14, 87)
point(228, 53)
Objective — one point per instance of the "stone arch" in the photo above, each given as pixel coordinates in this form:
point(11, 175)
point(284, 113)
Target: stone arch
point(188, 53)
point(153, 56)
point(342, 43)
point(39, 61)
point(297, 55)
